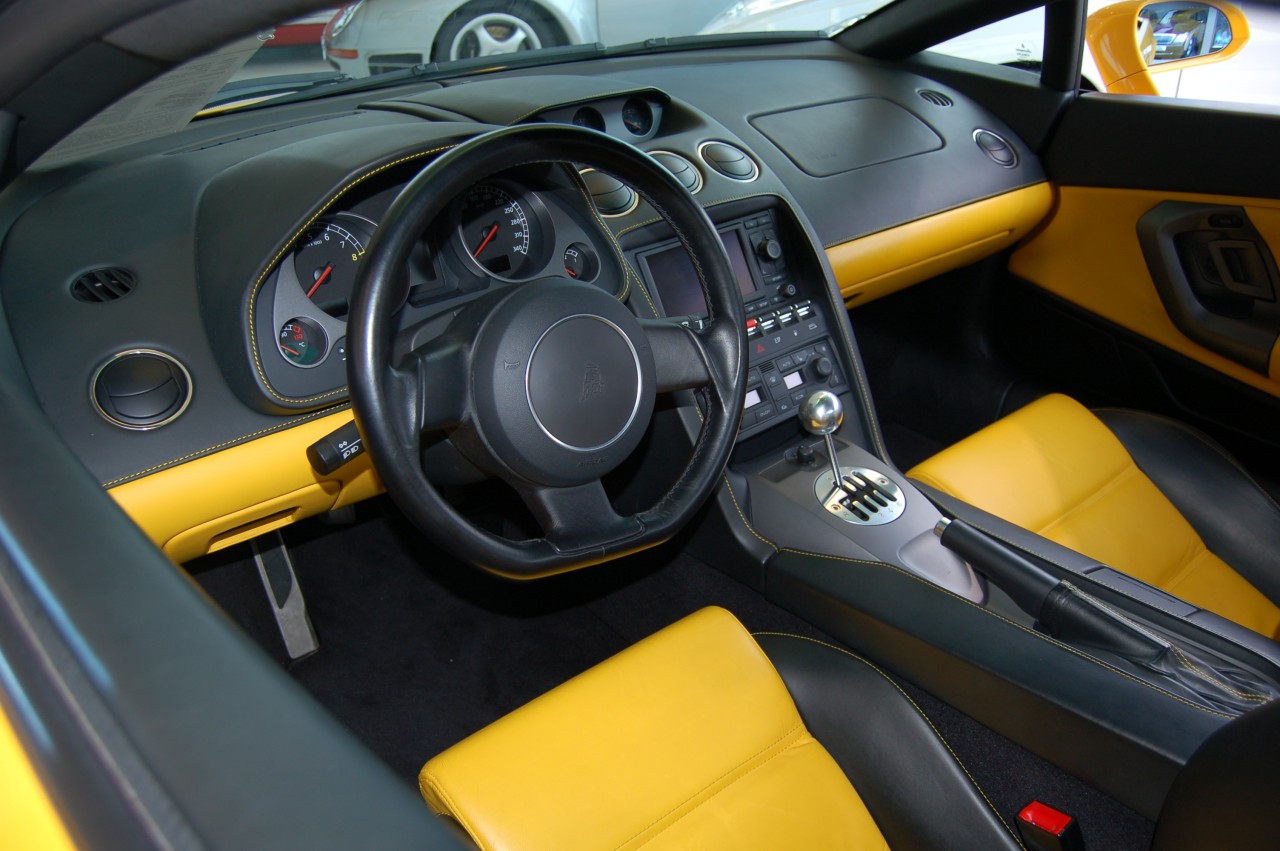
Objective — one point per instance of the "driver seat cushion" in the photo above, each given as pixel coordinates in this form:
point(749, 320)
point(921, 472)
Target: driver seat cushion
point(687, 739)
point(1056, 469)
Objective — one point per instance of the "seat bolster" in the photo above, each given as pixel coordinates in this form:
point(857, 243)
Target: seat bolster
point(911, 782)
point(1238, 521)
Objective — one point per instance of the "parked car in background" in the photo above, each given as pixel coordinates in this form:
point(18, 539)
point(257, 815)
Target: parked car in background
point(380, 35)
point(301, 32)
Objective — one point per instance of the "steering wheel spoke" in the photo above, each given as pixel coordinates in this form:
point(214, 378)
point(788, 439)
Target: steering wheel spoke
point(679, 357)
point(431, 379)
point(577, 519)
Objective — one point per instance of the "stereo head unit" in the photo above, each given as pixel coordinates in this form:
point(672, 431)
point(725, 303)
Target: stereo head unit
point(755, 254)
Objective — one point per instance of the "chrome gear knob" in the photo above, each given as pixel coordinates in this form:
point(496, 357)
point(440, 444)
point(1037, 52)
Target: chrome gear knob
point(822, 413)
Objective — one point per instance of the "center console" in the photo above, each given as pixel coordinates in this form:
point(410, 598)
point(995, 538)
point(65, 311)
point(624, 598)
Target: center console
point(863, 561)
point(795, 350)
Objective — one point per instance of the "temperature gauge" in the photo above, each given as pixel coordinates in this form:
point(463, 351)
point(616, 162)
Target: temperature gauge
point(302, 342)
point(580, 262)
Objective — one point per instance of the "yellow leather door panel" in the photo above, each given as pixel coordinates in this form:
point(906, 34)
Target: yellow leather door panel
point(1088, 253)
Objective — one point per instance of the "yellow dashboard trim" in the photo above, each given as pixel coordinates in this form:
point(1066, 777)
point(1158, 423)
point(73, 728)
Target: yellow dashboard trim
point(28, 818)
point(1088, 254)
point(227, 497)
point(885, 262)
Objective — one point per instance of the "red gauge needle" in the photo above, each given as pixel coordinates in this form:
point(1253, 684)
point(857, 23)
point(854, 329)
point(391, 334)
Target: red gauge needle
point(488, 237)
point(291, 351)
point(324, 276)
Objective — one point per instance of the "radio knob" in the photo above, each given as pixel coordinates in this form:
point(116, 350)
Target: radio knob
point(769, 249)
point(822, 368)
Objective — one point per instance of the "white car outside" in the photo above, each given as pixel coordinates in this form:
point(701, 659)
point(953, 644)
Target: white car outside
point(379, 35)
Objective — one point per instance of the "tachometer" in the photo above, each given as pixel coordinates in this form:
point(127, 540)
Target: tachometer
point(326, 259)
point(499, 232)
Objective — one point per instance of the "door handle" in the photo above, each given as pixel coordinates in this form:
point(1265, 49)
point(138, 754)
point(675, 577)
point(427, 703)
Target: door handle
point(1216, 278)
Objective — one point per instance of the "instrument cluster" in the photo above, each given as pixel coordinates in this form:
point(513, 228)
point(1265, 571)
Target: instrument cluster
point(507, 230)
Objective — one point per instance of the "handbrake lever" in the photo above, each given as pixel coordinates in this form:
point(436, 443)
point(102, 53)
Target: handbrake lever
point(1073, 617)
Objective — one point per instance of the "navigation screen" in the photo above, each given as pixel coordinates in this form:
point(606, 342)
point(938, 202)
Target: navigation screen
point(672, 274)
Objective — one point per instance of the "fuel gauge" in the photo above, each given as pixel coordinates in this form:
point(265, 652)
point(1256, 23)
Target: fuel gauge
point(302, 341)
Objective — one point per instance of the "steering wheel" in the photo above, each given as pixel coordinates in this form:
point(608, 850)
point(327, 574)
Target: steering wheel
point(547, 385)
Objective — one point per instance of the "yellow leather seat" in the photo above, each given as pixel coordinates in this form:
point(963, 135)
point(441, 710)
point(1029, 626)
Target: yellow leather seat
point(1058, 470)
point(691, 739)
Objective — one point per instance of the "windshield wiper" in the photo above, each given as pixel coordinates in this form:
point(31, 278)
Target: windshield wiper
point(435, 71)
point(671, 44)
point(269, 87)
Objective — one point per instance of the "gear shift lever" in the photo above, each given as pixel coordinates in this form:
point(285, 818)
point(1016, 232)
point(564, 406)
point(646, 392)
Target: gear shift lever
point(821, 414)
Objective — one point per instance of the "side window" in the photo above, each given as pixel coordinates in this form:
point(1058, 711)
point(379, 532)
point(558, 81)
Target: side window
point(1016, 42)
point(1211, 50)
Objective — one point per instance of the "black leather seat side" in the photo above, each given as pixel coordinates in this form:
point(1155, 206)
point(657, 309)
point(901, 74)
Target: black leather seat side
point(1228, 793)
point(919, 795)
point(1238, 520)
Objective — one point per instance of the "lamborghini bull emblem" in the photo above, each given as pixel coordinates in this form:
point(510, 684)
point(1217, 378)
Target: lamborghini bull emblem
point(592, 382)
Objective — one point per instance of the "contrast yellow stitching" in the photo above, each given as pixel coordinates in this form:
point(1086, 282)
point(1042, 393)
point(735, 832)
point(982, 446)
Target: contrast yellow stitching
point(1015, 624)
point(743, 517)
point(628, 274)
point(705, 204)
point(225, 444)
point(288, 245)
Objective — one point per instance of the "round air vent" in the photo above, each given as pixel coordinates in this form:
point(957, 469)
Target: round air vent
point(728, 160)
point(995, 147)
point(103, 285)
point(936, 98)
point(684, 170)
point(612, 197)
point(141, 389)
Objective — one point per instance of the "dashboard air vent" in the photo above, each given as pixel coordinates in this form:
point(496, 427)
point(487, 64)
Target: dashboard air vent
point(996, 147)
point(141, 389)
point(728, 160)
point(103, 285)
point(612, 197)
point(935, 98)
point(684, 170)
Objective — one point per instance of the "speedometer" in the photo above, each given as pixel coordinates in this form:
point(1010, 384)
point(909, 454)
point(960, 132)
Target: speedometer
point(499, 232)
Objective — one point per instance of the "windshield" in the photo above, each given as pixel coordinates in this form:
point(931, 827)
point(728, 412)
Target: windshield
point(374, 37)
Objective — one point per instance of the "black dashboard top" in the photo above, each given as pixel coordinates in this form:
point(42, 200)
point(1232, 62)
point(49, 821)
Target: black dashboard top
point(232, 228)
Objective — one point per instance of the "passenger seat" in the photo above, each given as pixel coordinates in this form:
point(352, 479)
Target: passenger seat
point(1144, 494)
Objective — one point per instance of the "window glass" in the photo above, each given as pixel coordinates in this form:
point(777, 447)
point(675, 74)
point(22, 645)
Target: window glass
point(1210, 50)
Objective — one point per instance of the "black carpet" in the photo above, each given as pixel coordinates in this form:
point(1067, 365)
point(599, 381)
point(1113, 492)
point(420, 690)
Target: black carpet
point(417, 651)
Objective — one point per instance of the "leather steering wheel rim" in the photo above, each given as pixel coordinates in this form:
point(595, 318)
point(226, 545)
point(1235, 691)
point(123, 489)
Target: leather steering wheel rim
point(395, 404)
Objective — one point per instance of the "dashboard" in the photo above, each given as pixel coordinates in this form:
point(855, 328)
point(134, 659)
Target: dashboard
point(238, 241)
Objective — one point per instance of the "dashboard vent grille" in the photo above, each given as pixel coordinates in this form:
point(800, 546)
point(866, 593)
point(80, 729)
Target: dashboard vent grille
point(103, 285)
point(936, 98)
point(684, 170)
point(612, 197)
point(729, 161)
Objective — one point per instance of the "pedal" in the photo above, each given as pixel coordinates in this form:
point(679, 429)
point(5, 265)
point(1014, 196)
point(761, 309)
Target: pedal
point(285, 595)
